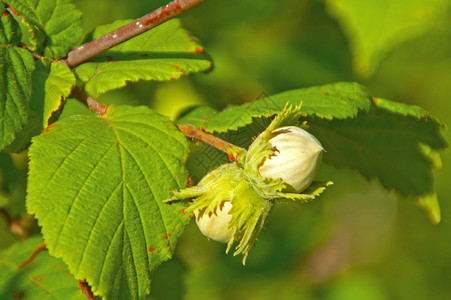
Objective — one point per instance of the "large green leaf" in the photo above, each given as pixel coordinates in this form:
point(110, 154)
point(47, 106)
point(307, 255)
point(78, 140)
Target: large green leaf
point(46, 277)
point(374, 27)
point(16, 67)
point(56, 25)
point(396, 143)
point(163, 53)
point(341, 100)
point(383, 145)
point(96, 186)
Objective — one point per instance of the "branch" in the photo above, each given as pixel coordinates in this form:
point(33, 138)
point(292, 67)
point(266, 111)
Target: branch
point(87, 51)
point(86, 289)
point(232, 150)
point(93, 104)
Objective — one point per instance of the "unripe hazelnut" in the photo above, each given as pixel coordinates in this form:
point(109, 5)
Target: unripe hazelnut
point(296, 160)
point(216, 225)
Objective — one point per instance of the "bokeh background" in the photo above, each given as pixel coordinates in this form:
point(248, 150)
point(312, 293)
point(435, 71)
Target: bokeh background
point(357, 241)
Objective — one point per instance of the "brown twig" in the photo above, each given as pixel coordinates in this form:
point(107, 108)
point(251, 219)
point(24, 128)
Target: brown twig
point(93, 104)
point(232, 150)
point(86, 289)
point(33, 255)
point(87, 51)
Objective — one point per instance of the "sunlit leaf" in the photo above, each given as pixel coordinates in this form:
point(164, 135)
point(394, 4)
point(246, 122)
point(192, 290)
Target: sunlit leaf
point(55, 24)
point(96, 186)
point(340, 101)
point(163, 53)
point(58, 86)
point(16, 67)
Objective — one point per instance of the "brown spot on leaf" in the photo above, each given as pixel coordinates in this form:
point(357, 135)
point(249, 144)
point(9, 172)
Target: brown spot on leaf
point(177, 68)
point(190, 182)
point(109, 58)
point(375, 100)
point(37, 279)
point(198, 50)
point(48, 128)
point(231, 157)
point(14, 12)
point(152, 249)
point(18, 295)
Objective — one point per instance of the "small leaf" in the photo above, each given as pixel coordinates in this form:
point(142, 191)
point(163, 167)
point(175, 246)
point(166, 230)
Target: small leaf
point(51, 84)
point(10, 30)
point(46, 277)
point(163, 53)
point(340, 101)
point(430, 204)
point(96, 186)
point(56, 25)
point(57, 87)
point(376, 27)
point(16, 67)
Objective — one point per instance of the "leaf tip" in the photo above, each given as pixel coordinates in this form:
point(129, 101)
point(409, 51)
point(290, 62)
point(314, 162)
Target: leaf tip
point(430, 204)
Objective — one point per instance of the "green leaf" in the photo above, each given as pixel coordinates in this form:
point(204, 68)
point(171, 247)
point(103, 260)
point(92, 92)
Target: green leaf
point(46, 277)
point(375, 27)
point(396, 143)
point(163, 53)
point(382, 145)
point(56, 25)
point(16, 67)
point(10, 30)
point(96, 186)
point(57, 87)
point(51, 84)
point(341, 100)
point(430, 204)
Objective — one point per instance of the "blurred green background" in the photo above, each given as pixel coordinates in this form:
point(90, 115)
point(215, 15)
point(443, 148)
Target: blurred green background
point(357, 241)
